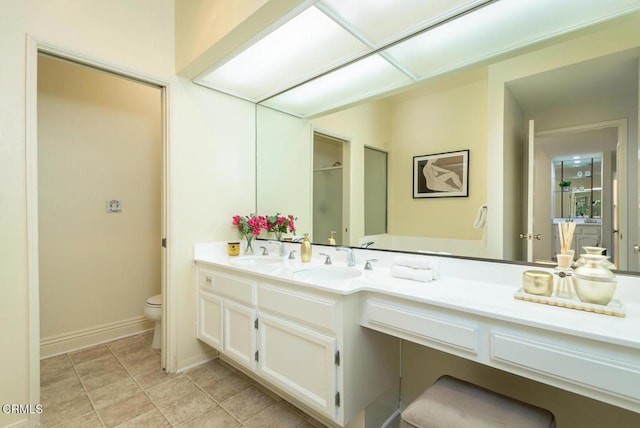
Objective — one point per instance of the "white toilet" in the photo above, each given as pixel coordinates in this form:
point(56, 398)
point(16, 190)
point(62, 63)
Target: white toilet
point(153, 311)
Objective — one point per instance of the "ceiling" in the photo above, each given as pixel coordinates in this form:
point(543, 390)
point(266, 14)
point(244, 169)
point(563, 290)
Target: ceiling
point(329, 53)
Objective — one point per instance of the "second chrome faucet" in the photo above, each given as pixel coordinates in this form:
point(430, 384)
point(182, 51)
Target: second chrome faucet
point(351, 256)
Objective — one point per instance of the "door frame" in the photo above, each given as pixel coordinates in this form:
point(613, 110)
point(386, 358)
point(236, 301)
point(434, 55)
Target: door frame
point(33, 48)
point(621, 172)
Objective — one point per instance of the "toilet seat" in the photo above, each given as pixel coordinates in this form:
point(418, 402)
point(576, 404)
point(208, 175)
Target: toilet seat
point(155, 300)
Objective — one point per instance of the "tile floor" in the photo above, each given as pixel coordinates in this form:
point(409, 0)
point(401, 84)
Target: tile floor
point(121, 384)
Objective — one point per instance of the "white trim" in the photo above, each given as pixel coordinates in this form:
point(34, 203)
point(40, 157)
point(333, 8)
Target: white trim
point(31, 172)
point(197, 360)
point(33, 48)
point(62, 343)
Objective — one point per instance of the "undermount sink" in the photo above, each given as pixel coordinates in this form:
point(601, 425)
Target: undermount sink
point(328, 272)
point(249, 261)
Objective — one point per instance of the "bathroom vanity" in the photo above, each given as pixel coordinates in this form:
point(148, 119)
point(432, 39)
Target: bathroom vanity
point(301, 332)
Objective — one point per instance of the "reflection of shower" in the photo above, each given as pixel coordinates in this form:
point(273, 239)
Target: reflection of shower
point(328, 183)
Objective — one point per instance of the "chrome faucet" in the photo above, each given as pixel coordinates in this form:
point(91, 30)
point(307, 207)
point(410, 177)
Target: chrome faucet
point(327, 261)
point(366, 244)
point(280, 245)
point(351, 256)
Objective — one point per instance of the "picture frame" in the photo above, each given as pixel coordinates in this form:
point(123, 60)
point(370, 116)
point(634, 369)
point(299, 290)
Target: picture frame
point(441, 175)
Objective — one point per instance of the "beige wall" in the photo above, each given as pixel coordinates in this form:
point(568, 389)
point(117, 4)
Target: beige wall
point(422, 366)
point(99, 138)
point(441, 119)
point(136, 36)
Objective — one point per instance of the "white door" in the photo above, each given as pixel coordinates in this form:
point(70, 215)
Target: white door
point(210, 320)
point(239, 333)
point(300, 361)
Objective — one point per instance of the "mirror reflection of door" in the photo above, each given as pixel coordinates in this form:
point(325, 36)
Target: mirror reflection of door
point(375, 191)
point(576, 179)
point(328, 184)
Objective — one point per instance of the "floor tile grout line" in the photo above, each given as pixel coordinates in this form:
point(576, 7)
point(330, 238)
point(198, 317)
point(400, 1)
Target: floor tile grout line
point(138, 384)
point(219, 403)
point(86, 391)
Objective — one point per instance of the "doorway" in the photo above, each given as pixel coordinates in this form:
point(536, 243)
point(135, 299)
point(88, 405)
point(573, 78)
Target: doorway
point(578, 177)
point(99, 204)
point(329, 189)
point(375, 191)
point(34, 50)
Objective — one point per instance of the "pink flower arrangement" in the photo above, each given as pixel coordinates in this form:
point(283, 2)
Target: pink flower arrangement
point(249, 224)
point(280, 224)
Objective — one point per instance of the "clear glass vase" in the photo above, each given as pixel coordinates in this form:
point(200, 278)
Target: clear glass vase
point(248, 249)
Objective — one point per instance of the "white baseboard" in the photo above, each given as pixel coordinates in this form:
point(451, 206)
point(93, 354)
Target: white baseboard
point(189, 363)
point(59, 344)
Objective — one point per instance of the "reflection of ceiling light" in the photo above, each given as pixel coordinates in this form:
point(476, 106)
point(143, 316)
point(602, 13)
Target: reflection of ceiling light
point(576, 162)
point(364, 78)
point(323, 36)
point(576, 157)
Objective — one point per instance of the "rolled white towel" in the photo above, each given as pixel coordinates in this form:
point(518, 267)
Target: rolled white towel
point(413, 262)
point(405, 272)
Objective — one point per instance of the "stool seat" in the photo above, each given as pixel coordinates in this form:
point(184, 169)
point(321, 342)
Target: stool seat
point(451, 402)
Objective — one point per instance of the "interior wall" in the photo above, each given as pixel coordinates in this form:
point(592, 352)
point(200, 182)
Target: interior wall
point(284, 145)
point(137, 35)
point(99, 138)
point(441, 120)
point(422, 366)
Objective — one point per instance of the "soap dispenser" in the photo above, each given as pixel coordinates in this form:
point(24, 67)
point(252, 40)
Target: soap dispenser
point(331, 240)
point(305, 249)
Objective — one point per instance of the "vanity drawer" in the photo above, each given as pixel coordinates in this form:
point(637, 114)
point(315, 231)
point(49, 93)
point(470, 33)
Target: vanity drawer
point(422, 326)
point(601, 371)
point(304, 308)
point(237, 288)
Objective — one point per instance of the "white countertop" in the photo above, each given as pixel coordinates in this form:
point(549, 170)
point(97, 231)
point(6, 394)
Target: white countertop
point(474, 287)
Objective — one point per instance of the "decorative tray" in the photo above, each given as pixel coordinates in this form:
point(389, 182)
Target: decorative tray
point(614, 308)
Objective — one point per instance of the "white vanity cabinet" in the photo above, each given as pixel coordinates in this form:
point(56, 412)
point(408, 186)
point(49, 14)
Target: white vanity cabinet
point(298, 345)
point(584, 365)
point(227, 315)
point(305, 343)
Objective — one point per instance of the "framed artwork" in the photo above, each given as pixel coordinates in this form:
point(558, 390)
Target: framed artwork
point(441, 175)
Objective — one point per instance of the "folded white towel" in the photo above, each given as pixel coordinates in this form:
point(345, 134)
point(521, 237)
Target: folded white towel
point(405, 272)
point(413, 262)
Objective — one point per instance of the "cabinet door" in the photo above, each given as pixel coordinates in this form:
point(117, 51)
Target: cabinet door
point(240, 333)
point(210, 319)
point(299, 360)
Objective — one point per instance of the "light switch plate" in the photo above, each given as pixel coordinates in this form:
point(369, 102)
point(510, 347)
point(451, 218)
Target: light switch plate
point(114, 206)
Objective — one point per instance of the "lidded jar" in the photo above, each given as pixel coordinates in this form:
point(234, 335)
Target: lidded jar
point(593, 281)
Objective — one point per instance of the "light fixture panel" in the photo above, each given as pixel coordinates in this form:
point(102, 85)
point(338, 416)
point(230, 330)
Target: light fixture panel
point(480, 35)
point(365, 78)
point(385, 21)
point(308, 44)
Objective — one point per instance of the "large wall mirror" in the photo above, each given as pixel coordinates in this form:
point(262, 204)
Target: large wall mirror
point(581, 82)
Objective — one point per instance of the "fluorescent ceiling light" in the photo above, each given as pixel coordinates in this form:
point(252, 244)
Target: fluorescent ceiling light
point(382, 22)
point(307, 45)
point(335, 34)
point(481, 34)
point(362, 79)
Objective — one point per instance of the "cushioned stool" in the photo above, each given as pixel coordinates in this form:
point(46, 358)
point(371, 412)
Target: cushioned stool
point(451, 402)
